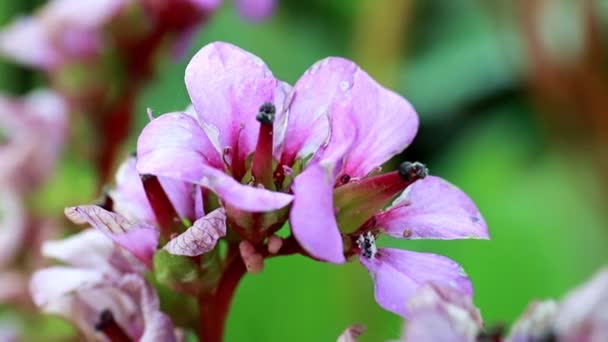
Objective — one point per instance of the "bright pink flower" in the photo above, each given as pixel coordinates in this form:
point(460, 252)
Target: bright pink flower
point(327, 137)
point(101, 290)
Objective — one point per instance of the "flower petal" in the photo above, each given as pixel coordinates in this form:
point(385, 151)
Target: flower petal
point(244, 197)
point(312, 216)
point(201, 237)
point(138, 238)
point(397, 274)
point(87, 249)
point(174, 145)
point(130, 200)
point(51, 283)
point(157, 325)
point(227, 86)
point(27, 42)
point(582, 313)
point(432, 208)
point(255, 10)
point(386, 122)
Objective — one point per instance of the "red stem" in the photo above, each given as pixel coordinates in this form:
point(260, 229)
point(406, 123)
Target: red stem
point(214, 307)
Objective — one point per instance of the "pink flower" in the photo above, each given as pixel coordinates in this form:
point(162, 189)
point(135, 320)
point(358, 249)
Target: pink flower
point(442, 314)
point(101, 290)
point(582, 316)
point(32, 133)
point(317, 146)
point(61, 30)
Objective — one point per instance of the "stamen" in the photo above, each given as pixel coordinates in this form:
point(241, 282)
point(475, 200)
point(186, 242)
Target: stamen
point(367, 244)
point(409, 171)
point(108, 326)
point(166, 215)
point(261, 168)
point(266, 113)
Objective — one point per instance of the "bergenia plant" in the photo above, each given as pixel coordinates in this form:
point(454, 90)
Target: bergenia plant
point(252, 155)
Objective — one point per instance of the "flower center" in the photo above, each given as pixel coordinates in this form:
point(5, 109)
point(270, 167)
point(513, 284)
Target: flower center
point(367, 244)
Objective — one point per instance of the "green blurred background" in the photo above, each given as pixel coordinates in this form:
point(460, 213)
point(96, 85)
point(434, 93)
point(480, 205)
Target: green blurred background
point(514, 110)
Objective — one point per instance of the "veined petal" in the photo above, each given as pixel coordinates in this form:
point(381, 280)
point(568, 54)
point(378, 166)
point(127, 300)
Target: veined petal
point(174, 145)
point(397, 274)
point(201, 237)
point(432, 208)
point(352, 333)
point(227, 86)
point(386, 122)
point(312, 216)
point(138, 238)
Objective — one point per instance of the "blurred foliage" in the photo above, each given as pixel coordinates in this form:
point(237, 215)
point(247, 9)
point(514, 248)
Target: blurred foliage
point(465, 72)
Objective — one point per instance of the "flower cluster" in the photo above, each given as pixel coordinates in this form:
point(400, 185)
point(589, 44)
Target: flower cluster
point(32, 131)
point(253, 154)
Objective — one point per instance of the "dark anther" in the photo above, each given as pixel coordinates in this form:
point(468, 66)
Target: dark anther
point(548, 336)
point(410, 172)
point(367, 244)
point(106, 318)
point(133, 154)
point(266, 113)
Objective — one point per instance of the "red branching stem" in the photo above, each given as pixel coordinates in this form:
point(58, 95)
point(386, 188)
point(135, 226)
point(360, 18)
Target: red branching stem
point(214, 308)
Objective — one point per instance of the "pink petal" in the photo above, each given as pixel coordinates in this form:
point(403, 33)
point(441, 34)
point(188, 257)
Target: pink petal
point(80, 14)
point(201, 237)
point(52, 283)
point(432, 208)
point(386, 123)
point(87, 249)
point(244, 197)
point(138, 238)
point(130, 199)
point(174, 145)
point(27, 41)
point(582, 314)
point(312, 216)
point(397, 274)
point(227, 86)
point(255, 10)
point(157, 325)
